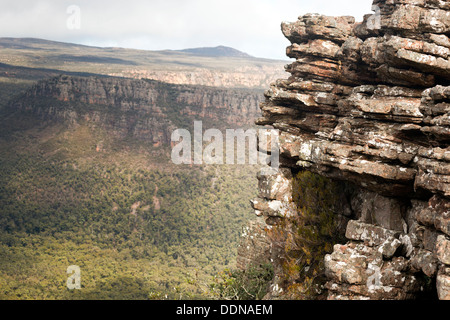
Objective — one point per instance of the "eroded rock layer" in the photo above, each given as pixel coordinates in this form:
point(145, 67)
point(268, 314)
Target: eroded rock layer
point(369, 103)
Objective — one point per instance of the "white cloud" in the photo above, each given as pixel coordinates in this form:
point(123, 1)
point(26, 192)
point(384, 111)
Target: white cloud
point(252, 26)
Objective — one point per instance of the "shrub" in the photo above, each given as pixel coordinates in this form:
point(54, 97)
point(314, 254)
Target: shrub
point(250, 284)
point(303, 240)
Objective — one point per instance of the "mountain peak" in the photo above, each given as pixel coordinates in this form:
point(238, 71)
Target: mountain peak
point(219, 51)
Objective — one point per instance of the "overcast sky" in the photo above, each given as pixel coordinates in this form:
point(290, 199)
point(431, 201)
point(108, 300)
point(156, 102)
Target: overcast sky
point(252, 26)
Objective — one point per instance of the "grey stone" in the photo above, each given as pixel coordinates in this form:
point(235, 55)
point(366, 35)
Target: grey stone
point(275, 185)
point(443, 249)
point(389, 247)
point(369, 104)
point(429, 239)
point(372, 235)
point(425, 261)
point(443, 284)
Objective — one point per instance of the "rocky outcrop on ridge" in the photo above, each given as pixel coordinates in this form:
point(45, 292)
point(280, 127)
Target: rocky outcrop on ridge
point(369, 104)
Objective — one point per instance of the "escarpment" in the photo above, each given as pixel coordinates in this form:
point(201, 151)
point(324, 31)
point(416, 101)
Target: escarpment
point(143, 109)
point(367, 106)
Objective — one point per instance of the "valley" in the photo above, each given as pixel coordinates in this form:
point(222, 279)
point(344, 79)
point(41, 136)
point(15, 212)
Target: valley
point(87, 179)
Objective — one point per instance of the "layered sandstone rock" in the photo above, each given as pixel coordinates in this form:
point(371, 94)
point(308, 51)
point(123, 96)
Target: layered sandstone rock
point(369, 103)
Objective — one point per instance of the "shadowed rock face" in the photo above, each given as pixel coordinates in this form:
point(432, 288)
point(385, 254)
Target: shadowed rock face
point(369, 103)
point(144, 109)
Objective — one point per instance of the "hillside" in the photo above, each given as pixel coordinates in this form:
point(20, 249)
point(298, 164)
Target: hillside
point(219, 51)
point(86, 177)
point(91, 173)
point(218, 67)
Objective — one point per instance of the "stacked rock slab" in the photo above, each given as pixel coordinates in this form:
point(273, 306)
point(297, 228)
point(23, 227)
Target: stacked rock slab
point(369, 103)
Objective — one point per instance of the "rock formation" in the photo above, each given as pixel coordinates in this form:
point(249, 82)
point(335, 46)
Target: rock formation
point(368, 104)
point(143, 109)
point(256, 77)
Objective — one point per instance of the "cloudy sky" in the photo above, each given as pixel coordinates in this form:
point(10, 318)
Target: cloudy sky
point(252, 26)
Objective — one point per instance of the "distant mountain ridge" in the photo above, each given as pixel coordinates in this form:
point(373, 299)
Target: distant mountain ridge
point(219, 51)
point(34, 43)
point(27, 43)
point(219, 66)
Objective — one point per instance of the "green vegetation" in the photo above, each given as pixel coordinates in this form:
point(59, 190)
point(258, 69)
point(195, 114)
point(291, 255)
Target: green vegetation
point(250, 284)
point(138, 226)
point(183, 221)
point(309, 235)
point(145, 221)
point(9, 89)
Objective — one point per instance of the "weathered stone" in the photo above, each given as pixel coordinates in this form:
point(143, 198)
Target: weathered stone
point(361, 272)
point(393, 275)
point(413, 213)
point(429, 239)
point(346, 265)
point(443, 249)
point(318, 47)
point(443, 284)
point(273, 208)
point(407, 243)
point(425, 261)
point(318, 26)
point(372, 235)
point(369, 103)
point(436, 215)
point(360, 292)
point(426, 216)
point(274, 185)
point(255, 246)
point(382, 211)
point(389, 247)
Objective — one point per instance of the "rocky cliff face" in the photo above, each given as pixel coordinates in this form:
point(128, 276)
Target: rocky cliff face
point(143, 109)
point(242, 77)
point(369, 104)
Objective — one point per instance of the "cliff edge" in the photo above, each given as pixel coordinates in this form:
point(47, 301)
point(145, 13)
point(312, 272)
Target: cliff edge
point(367, 105)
